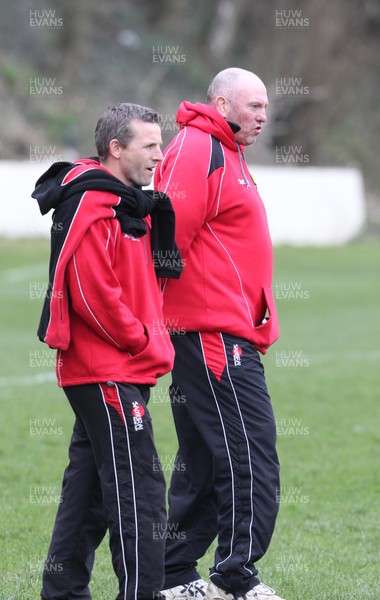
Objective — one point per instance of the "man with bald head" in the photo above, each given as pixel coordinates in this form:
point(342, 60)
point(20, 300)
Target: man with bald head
point(221, 313)
point(231, 93)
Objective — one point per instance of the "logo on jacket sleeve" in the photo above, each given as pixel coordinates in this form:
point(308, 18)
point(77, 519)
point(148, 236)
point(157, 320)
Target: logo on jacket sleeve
point(236, 353)
point(137, 414)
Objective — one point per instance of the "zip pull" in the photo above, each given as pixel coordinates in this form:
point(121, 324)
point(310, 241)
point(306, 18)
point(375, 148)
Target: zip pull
point(246, 182)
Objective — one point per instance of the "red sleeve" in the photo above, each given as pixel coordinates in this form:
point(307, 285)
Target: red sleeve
point(182, 175)
point(95, 291)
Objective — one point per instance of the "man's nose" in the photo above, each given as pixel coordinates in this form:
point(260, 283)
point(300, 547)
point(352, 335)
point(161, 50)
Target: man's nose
point(262, 116)
point(158, 154)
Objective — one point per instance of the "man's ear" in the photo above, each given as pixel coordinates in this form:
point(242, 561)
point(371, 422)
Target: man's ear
point(221, 105)
point(114, 148)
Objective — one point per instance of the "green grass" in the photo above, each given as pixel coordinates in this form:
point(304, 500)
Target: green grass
point(323, 375)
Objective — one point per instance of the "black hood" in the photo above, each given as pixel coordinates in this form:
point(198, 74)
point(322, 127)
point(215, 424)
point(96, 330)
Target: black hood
point(48, 188)
point(132, 204)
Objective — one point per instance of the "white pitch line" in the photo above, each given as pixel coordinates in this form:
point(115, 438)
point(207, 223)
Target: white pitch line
point(353, 356)
point(24, 273)
point(28, 380)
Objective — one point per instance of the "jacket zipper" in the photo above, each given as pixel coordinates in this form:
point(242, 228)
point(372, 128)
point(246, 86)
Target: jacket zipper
point(247, 184)
point(146, 251)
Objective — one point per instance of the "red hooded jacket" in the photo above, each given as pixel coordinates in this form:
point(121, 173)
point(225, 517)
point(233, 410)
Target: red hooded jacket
point(105, 306)
point(221, 231)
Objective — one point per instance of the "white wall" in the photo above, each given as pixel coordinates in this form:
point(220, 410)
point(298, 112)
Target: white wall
point(20, 214)
point(305, 205)
point(312, 206)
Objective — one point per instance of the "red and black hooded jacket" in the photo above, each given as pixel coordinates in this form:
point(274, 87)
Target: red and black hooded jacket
point(221, 231)
point(103, 307)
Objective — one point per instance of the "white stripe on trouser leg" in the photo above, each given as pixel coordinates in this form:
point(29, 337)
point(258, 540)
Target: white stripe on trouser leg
point(134, 496)
point(117, 492)
point(228, 454)
point(248, 454)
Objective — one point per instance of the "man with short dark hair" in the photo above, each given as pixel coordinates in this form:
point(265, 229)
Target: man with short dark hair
point(228, 486)
point(102, 304)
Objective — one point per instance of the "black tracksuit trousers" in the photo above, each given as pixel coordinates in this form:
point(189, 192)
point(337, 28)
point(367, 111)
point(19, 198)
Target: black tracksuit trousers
point(225, 481)
point(113, 481)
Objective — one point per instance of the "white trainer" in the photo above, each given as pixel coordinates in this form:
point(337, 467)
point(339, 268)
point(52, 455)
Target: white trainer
point(195, 590)
point(259, 592)
point(264, 592)
point(214, 592)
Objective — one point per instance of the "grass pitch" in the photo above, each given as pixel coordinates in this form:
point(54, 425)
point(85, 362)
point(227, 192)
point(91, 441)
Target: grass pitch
point(323, 376)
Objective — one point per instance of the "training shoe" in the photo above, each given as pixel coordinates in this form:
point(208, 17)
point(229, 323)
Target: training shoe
point(263, 592)
point(195, 590)
point(216, 593)
point(259, 592)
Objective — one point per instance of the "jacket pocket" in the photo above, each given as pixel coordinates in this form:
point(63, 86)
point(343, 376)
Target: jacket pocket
point(158, 353)
point(268, 332)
